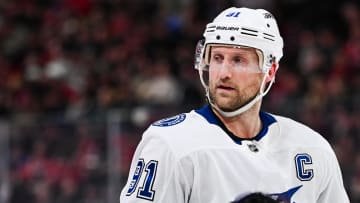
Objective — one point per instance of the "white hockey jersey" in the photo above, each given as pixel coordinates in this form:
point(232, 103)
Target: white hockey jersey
point(193, 158)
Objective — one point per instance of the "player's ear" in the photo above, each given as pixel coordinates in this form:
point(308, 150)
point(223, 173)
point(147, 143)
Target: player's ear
point(271, 72)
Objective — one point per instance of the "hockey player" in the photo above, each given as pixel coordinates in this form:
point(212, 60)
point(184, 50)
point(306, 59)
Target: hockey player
point(230, 147)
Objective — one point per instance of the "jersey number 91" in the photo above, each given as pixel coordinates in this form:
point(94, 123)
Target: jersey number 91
point(145, 191)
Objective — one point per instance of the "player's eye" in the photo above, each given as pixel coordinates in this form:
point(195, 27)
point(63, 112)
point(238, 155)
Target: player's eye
point(217, 58)
point(238, 60)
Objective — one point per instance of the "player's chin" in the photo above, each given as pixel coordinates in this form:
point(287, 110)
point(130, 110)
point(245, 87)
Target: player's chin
point(226, 105)
point(228, 108)
point(224, 101)
point(229, 104)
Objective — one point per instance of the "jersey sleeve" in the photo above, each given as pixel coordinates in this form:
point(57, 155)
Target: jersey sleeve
point(156, 174)
point(334, 190)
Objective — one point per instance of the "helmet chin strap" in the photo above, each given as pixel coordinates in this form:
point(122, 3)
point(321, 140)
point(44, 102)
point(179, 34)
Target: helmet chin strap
point(246, 106)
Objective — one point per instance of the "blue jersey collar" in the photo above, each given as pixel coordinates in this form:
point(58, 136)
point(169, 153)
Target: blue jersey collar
point(210, 116)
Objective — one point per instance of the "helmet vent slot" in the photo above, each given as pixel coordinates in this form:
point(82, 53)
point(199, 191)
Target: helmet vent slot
point(249, 30)
point(251, 34)
point(211, 28)
point(268, 34)
point(269, 38)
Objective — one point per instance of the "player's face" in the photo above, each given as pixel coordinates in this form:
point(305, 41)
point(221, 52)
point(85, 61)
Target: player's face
point(234, 76)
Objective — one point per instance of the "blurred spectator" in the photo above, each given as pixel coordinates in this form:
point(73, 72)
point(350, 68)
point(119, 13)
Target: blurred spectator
point(159, 87)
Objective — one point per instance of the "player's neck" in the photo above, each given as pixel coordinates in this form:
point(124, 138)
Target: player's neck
point(246, 125)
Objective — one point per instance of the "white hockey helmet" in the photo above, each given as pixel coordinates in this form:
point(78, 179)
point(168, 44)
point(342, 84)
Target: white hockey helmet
point(241, 27)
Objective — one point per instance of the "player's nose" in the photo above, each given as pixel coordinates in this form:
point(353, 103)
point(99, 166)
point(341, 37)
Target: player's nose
point(225, 71)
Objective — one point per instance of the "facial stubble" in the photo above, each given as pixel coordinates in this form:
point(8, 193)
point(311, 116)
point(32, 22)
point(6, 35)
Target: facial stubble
point(235, 99)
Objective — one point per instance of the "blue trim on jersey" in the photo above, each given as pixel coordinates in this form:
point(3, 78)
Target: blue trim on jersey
point(266, 120)
point(166, 122)
point(210, 116)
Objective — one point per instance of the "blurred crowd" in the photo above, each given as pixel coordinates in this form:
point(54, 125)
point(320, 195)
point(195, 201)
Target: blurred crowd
point(65, 61)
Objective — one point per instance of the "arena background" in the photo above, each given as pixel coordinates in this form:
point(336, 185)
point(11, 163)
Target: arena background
point(81, 79)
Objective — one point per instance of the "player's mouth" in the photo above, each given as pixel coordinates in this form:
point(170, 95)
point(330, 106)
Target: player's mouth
point(225, 88)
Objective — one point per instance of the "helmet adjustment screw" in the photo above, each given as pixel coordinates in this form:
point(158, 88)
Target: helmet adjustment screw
point(232, 38)
point(218, 37)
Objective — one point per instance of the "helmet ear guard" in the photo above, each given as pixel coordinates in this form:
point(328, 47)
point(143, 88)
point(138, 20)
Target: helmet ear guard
point(200, 65)
point(199, 54)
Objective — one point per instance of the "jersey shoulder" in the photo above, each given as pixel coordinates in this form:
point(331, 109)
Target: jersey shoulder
point(300, 134)
point(183, 133)
point(177, 124)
